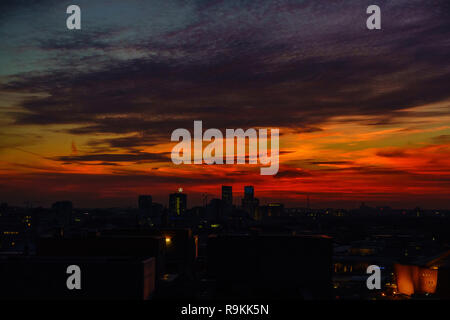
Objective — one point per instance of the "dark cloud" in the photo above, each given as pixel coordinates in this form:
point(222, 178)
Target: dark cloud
point(285, 64)
point(287, 172)
point(396, 153)
point(130, 143)
point(138, 157)
point(444, 138)
point(332, 162)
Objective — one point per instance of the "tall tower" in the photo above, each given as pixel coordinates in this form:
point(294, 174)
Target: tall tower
point(178, 203)
point(249, 192)
point(250, 204)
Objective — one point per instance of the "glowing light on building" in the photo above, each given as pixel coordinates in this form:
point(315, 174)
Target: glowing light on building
point(414, 279)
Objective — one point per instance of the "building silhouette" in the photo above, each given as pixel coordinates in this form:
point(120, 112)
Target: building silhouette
point(63, 211)
point(145, 203)
point(249, 192)
point(250, 204)
point(178, 203)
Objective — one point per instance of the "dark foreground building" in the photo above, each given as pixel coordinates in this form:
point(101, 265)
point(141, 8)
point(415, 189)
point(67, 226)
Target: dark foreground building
point(101, 278)
point(268, 266)
point(181, 246)
point(141, 247)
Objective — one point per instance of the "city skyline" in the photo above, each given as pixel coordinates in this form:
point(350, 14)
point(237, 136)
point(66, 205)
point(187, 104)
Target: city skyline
point(227, 195)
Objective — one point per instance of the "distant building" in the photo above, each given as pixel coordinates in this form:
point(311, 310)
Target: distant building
point(227, 195)
point(63, 211)
point(178, 203)
point(249, 192)
point(158, 214)
point(250, 204)
point(275, 210)
point(145, 203)
point(11, 230)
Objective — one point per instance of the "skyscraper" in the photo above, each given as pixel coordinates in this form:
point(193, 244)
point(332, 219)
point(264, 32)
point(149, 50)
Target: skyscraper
point(249, 192)
point(250, 203)
point(178, 203)
point(227, 195)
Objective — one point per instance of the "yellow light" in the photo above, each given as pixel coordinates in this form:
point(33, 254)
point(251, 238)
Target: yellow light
point(168, 240)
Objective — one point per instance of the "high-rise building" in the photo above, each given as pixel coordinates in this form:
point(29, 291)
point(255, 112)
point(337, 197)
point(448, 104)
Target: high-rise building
point(227, 195)
point(249, 192)
point(250, 203)
point(178, 203)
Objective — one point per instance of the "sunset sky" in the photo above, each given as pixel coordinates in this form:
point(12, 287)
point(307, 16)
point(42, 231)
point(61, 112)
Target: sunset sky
point(87, 115)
